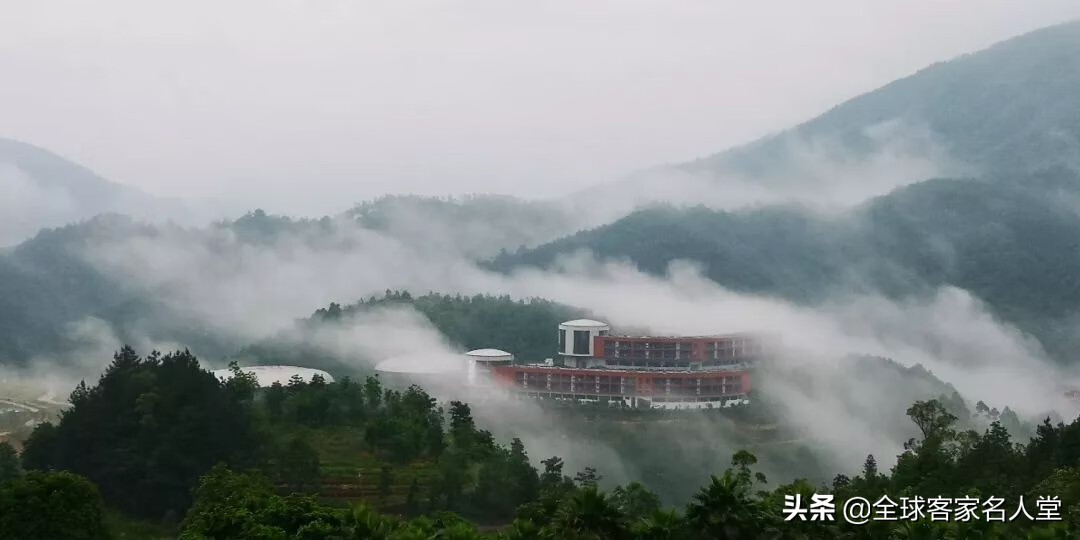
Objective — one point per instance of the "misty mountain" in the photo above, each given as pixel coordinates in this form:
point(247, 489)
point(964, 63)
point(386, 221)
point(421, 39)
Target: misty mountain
point(73, 287)
point(40, 189)
point(519, 326)
point(115, 279)
point(475, 226)
point(1012, 240)
point(1005, 229)
point(963, 174)
point(53, 300)
point(1011, 108)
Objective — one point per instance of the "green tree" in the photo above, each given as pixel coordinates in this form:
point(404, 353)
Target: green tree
point(241, 384)
point(51, 505)
point(635, 500)
point(299, 466)
point(373, 392)
point(587, 478)
point(932, 419)
point(588, 514)
point(146, 432)
point(659, 525)
point(41, 450)
point(524, 480)
point(243, 505)
point(725, 510)
point(9, 463)
point(361, 522)
point(275, 401)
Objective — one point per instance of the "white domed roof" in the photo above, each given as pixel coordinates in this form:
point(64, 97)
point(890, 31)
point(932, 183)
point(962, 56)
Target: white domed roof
point(420, 364)
point(268, 375)
point(488, 353)
point(585, 323)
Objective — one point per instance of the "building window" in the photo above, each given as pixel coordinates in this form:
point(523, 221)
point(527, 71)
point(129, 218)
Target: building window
point(581, 342)
point(562, 340)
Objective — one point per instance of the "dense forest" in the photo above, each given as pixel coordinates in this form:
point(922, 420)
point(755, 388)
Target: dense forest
point(158, 439)
point(523, 327)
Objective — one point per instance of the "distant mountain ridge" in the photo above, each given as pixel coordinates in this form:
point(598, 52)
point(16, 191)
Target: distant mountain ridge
point(1007, 230)
point(52, 171)
point(1012, 107)
point(1000, 217)
point(40, 189)
point(1012, 241)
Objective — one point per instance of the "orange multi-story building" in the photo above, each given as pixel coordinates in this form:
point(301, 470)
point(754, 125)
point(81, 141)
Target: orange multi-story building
point(594, 365)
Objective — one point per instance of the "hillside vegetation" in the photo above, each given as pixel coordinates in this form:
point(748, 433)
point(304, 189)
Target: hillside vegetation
point(1013, 242)
point(135, 445)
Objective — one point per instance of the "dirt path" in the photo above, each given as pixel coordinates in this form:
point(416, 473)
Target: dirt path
point(50, 398)
point(19, 405)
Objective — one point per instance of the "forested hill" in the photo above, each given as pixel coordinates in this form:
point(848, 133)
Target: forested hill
point(523, 327)
point(999, 215)
point(1014, 241)
point(48, 283)
point(1013, 107)
point(474, 226)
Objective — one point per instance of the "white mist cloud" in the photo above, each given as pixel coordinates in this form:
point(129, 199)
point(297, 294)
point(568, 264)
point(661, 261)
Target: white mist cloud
point(89, 345)
point(253, 289)
point(821, 172)
point(26, 206)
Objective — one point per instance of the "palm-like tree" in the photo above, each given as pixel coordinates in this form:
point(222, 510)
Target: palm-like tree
point(588, 515)
point(723, 510)
point(363, 522)
point(660, 525)
point(522, 529)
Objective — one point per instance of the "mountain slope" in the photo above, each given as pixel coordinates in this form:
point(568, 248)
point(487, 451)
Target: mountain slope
point(1012, 240)
point(41, 189)
point(1012, 107)
point(999, 129)
point(475, 226)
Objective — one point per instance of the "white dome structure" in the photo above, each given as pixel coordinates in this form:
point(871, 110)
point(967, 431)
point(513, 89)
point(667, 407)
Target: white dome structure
point(576, 338)
point(490, 355)
point(418, 364)
point(430, 371)
point(586, 323)
point(268, 375)
point(483, 360)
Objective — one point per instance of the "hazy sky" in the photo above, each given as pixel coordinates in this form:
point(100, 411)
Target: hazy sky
point(309, 105)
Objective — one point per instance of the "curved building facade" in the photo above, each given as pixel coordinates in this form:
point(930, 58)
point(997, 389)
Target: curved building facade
point(668, 372)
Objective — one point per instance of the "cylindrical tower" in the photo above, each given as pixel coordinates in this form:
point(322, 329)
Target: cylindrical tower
point(433, 372)
point(577, 339)
point(482, 360)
